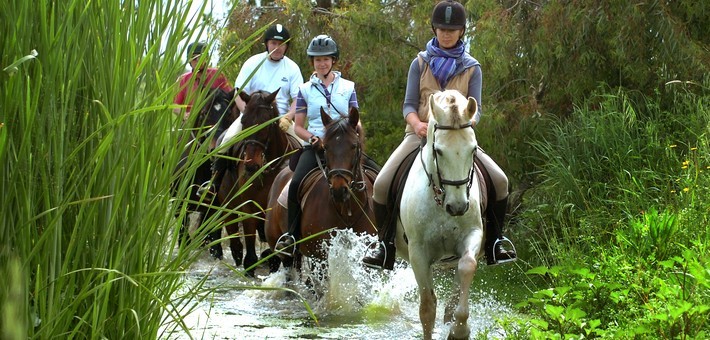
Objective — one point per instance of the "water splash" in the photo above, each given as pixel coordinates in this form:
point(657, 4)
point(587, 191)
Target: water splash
point(351, 302)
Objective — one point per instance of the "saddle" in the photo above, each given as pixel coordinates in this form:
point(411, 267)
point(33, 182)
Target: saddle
point(312, 178)
point(400, 178)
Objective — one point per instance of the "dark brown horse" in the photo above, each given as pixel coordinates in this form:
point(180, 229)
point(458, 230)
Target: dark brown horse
point(340, 197)
point(259, 158)
point(218, 112)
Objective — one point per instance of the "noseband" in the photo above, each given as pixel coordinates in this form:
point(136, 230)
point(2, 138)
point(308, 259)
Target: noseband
point(439, 192)
point(344, 173)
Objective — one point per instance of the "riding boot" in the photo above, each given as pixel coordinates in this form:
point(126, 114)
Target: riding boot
point(495, 217)
point(383, 257)
point(294, 229)
point(219, 167)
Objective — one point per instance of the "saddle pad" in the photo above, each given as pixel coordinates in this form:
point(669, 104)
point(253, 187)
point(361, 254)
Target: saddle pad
point(306, 187)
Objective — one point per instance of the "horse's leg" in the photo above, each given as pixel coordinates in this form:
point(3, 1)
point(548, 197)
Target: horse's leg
point(216, 248)
point(453, 300)
point(184, 232)
point(466, 269)
point(213, 237)
point(274, 261)
point(427, 298)
point(250, 227)
point(235, 244)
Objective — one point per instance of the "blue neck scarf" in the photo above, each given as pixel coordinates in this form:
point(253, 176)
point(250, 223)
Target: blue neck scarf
point(443, 61)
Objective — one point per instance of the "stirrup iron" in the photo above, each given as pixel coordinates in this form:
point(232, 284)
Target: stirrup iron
point(204, 188)
point(501, 241)
point(293, 245)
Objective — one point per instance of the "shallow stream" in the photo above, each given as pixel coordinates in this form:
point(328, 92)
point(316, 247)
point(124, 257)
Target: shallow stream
point(356, 302)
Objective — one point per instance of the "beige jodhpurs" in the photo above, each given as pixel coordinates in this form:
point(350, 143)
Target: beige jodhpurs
point(410, 143)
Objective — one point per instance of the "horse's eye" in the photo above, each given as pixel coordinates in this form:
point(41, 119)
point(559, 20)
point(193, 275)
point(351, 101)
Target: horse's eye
point(353, 146)
point(438, 152)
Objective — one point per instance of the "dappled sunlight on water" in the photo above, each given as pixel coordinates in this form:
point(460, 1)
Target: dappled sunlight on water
point(355, 303)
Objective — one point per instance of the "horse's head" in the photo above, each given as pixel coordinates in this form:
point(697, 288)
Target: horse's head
point(343, 143)
point(218, 113)
point(451, 149)
point(260, 108)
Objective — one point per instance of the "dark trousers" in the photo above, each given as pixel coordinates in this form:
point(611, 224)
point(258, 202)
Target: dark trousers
point(306, 163)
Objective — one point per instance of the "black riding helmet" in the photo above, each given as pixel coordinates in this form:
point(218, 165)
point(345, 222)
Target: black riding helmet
point(448, 14)
point(323, 45)
point(277, 32)
point(195, 50)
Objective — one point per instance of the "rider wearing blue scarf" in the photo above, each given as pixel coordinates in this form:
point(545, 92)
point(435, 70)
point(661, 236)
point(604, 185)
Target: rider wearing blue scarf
point(444, 65)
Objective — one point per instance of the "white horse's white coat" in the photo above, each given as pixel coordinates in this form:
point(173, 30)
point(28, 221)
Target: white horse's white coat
point(454, 228)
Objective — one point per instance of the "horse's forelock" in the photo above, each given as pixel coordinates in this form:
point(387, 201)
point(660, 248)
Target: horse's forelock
point(342, 126)
point(251, 115)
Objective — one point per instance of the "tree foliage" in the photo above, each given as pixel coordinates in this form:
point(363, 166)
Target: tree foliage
point(539, 57)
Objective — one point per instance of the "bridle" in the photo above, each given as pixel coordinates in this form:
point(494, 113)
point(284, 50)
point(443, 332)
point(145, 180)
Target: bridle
point(357, 183)
point(439, 192)
point(263, 145)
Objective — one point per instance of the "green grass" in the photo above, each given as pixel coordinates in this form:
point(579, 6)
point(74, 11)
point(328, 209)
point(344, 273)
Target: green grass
point(617, 227)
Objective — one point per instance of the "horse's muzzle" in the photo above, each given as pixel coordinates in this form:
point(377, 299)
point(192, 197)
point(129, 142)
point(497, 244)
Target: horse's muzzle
point(457, 209)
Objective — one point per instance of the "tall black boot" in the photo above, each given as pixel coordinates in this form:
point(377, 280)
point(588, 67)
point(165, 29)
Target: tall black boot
point(383, 257)
point(219, 167)
point(294, 229)
point(495, 252)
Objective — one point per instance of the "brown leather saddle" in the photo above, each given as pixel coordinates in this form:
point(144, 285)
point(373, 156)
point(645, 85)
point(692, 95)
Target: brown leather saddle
point(400, 178)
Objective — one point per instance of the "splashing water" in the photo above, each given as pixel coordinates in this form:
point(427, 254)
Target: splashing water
point(351, 301)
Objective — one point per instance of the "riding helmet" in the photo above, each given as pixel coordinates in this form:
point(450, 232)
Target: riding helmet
point(276, 32)
point(195, 50)
point(323, 45)
point(448, 14)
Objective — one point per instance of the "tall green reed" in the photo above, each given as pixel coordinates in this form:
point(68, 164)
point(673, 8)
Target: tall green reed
point(610, 162)
point(87, 144)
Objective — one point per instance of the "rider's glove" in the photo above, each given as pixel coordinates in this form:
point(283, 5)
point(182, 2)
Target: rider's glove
point(285, 122)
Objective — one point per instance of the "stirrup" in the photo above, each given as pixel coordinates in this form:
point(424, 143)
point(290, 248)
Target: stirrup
point(370, 260)
point(204, 188)
point(293, 244)
point(501, 241)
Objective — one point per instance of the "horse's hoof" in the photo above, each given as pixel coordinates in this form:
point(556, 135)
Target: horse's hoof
point(459, 337)
point(217, 253)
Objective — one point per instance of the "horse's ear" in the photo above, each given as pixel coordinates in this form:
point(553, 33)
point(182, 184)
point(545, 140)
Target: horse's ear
point(324, 117)
point(353, 117)
point(272, 96)
point(432, 106)
point(472, 108)
point(245, 97)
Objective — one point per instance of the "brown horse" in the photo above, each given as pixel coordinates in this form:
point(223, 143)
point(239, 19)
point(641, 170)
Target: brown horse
point(340, 196)
point(259, 158)
point(218, 112)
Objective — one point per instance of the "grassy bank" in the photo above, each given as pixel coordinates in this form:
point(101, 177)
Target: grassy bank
point(617, 225)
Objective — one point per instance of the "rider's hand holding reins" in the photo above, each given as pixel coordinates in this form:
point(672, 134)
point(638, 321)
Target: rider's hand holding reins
point(419, 127)
point(285, 122)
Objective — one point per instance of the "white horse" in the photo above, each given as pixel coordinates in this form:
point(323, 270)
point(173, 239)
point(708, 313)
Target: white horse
point(440, 209)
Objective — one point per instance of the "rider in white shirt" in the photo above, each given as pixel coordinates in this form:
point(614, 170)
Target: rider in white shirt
point(272, 70)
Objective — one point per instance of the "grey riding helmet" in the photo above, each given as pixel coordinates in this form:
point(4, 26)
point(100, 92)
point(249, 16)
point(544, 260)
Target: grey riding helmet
point(323, 45)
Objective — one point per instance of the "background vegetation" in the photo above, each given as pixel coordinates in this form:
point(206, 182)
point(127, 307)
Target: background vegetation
point(598, 110)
